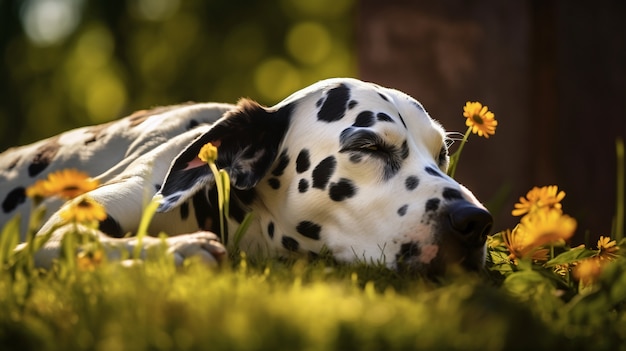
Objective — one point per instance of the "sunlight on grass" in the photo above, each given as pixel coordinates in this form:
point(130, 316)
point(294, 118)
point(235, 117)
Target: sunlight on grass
point(292, 305)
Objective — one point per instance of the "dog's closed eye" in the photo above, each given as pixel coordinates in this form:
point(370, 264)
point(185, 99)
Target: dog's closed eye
point(443, 156)
point(362, 141)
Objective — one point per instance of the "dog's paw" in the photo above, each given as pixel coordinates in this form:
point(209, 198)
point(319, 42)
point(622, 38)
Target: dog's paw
point(204, 245)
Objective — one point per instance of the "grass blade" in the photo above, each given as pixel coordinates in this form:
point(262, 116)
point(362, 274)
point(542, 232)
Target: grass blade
point(146, 218)
point(9, 238)
point(243, 228)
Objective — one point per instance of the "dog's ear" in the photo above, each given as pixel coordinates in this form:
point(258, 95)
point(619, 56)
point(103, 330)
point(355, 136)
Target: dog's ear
point(247, 140)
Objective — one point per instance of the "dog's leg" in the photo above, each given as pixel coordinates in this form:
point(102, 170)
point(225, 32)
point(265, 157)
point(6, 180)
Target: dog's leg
point(204, 245)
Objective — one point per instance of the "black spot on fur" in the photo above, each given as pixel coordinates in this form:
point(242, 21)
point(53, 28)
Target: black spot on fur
point(97, 132)
point(274, 183)
point(342, 190)
point(13, 199)
point(111, 227)
point(432, 204)
point(236, 208)
point(290, 243)
point(206, 217)
point(157, 187)
point(392, 166)
point(356, 158)
point(319, 102)
point(411, 182)
point(418, 106)
point(433, 172)
point(283, 161)
point(323, 171)
point(351, 104)
point(404, 150)
point(14, 163)
point(303, 185)
point(364, 119)
point(192, 124)
point(303, 161)
point(346, 136)
point(184, 210)
point(270, 230)
point(245, 196)
point(383, 117)
point(91, 140)
point(408, 250)
point(452, 194)
point(45, 155)
point(402, 210)
point(402, 120)
point(334, 107)
point(309, 229)
point(383, 97)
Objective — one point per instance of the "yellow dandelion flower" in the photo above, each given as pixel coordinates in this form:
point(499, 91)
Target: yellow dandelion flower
point(538, 198)
point(512, 243)
point(588, 270)
point(515, 242)
point(89, 260)
point(39, 190)
point(538, 229)
point(67, 183)
point(208, 153)
point(83, 210)
point(608, 248)
point(479, 119)
point(549, 226)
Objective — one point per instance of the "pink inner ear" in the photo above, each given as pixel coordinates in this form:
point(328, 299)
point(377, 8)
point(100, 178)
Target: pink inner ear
point(195, 163)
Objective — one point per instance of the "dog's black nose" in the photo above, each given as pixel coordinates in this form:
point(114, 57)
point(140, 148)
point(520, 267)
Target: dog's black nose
point(469, 222)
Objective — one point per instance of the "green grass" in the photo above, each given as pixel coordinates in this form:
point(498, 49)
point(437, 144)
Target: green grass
point(279, 305)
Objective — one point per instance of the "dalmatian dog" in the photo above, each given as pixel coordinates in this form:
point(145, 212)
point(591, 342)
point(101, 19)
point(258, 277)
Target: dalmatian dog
point(343, 166)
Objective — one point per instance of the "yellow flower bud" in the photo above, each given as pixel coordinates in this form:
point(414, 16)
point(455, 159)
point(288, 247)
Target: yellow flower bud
point(208, 153)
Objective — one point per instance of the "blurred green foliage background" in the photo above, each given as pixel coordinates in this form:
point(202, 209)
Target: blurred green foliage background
point(67, 63)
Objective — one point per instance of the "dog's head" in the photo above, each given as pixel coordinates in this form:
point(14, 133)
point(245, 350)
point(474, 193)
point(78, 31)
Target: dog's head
point(347, 166)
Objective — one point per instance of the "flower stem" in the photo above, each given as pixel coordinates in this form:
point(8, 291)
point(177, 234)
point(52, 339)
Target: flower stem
point(454, 159)
point(142, 231)
point(220, 197)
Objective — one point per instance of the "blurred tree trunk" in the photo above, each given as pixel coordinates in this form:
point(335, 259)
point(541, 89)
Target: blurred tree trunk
point(551, 71)
point(10, 125)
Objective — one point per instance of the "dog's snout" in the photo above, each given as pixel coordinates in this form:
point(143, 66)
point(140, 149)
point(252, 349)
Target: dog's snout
point(470, 222)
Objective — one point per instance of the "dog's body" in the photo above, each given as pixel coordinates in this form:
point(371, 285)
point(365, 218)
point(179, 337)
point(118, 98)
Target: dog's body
point(343, 165)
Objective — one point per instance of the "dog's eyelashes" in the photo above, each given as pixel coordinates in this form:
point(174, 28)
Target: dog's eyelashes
point(442, 157)
point(454, 135)
point(369, 148)
point(372, 148)
point(365, 145)
point(451, 137)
